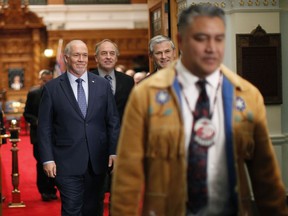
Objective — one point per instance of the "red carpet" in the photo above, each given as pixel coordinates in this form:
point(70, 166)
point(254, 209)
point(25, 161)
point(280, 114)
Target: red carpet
point(27, 186)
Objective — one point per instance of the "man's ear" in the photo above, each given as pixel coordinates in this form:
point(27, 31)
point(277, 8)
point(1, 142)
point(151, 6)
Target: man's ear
point(95, 56)
point(65, 59)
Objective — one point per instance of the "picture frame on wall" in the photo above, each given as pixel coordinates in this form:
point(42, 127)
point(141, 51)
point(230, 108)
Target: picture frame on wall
point(16, 78)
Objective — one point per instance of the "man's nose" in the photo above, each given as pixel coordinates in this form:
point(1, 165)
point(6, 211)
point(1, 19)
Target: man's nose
point(82, 57)
point(163, 55)
point(211, 45)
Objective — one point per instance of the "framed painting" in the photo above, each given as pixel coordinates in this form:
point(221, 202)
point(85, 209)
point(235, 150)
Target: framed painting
point(16, 78)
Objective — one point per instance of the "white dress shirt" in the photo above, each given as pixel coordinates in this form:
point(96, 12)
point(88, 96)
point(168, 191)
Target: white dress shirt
point(217, 179)
point(74, 84)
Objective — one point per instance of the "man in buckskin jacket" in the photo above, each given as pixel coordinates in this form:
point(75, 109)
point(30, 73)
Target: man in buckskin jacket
point(152, 176)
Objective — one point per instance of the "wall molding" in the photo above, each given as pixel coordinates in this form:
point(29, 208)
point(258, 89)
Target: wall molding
point(77, 17)
point(232, 6)
point(279, 139)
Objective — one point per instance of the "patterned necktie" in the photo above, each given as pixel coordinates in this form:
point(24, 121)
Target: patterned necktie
point(109, 78)
point(81, 97)
point(197, 157)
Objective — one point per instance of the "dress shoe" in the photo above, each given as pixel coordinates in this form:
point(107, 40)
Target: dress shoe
point(45, 197)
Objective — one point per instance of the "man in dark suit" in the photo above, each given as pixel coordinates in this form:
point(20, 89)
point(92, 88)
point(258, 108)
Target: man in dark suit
point(45, 185)
point(106, 56)
point(79, 128)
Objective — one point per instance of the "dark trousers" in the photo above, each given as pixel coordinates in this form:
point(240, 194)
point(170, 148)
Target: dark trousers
point(108, 189)
point(82, 195)
point(44, 183)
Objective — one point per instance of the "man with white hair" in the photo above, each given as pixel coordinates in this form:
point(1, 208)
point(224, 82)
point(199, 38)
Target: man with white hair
point(161, 51)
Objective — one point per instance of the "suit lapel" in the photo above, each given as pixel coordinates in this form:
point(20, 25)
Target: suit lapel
point(67, 89)
point(92, 93)
point(96, 72)
point(119, 84)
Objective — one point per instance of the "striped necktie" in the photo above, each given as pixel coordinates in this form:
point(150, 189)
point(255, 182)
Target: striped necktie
point(81, 98)
point(109, 78)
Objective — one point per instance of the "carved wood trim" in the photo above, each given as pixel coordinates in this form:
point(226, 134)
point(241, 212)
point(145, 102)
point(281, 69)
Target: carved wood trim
point(14, 15)
point(22, 42)
point(259, 61)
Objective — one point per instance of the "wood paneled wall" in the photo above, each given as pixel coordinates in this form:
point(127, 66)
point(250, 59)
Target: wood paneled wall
point(24, 37)
point(132, 43)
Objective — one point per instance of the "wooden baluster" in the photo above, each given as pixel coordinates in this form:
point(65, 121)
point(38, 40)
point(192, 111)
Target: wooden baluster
point(14, 139)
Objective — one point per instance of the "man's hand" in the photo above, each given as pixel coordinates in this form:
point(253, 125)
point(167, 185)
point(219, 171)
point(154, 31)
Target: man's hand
point(50, 169)
point(112, 160)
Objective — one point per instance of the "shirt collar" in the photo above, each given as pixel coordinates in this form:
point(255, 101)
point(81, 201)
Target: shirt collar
point(102, 73)
point(187, 77)
point(72, 78)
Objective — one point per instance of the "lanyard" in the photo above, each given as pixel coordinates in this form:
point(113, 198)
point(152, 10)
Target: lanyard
point(215, 98)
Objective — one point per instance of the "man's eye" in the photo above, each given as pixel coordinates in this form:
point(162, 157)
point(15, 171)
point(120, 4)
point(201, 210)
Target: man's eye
point(77, 55)
point(220, 38)
point(200, 38)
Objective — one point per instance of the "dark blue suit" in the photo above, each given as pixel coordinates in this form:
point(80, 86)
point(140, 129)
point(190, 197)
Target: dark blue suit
point(77, 145)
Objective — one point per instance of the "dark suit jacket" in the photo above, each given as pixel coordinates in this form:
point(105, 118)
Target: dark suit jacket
point(31, 111)
point(124, 85)
point(2, 126)
point(68, 138)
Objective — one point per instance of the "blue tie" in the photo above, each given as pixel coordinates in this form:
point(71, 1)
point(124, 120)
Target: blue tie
point(109, 78)
point(81, 97)
point(197, 159)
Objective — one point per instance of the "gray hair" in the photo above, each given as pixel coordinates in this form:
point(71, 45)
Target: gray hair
point(44, 72)
point(68, 46)
point(103, 41)
point(159, 39)
point(187, 16)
